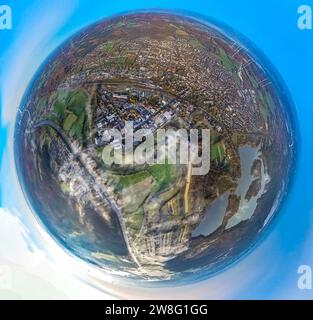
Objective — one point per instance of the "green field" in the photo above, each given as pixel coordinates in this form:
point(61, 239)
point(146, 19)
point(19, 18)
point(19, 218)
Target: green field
point(125, 181)
point(134, 221)
point(267, 105)
point(217, 147)
point(108, 46)
point(252, 80)
point(218, 152)
point(196, 43)
point(214, 136)
point(117, 61)
point(226, 61)
point(163, 174)
point(69, 112)
point(69, 121)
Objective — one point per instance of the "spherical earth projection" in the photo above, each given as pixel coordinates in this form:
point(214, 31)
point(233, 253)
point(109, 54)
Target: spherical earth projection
point(155, 221)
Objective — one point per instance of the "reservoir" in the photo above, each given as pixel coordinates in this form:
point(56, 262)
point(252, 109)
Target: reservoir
point(216, 210)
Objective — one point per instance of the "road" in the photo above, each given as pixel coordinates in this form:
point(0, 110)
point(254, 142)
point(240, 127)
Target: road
point(81, 157)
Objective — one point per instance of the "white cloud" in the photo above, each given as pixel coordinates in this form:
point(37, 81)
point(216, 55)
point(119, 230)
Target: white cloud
point(31, 273)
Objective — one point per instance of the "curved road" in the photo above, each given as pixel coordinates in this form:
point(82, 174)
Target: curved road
point(77, 152)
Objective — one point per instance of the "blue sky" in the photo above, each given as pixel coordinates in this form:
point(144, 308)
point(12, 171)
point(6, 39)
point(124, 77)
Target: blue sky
point(270, 271)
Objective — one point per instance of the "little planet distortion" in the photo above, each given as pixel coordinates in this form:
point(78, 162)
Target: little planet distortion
point(154, 221)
